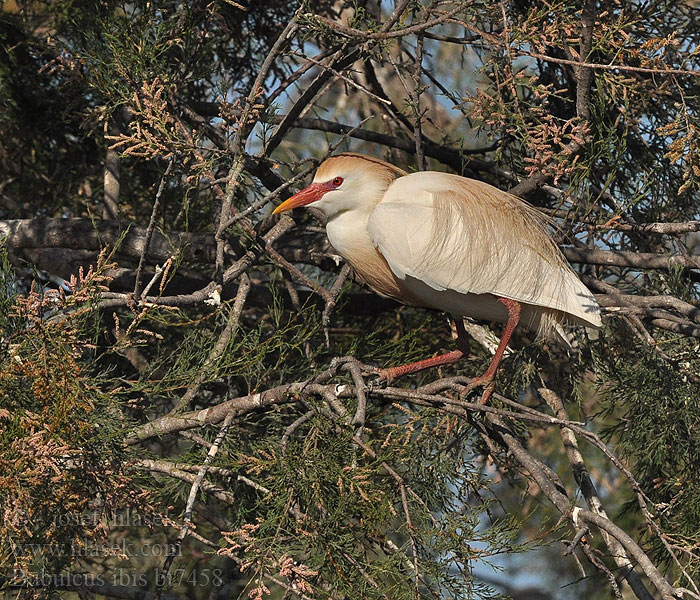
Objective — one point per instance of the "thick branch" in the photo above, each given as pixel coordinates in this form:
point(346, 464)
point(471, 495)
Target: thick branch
point(88, 234)
point(588, 489)
point(564, 506)
point(215, 414)
point(639, 260)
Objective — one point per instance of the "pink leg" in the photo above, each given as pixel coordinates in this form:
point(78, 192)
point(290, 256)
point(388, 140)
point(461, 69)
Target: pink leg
point(436, 361)
point(513, 307)
point(450, 358)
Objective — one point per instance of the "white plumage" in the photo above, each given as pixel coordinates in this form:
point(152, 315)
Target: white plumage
point(465, 239)
point(447, 242)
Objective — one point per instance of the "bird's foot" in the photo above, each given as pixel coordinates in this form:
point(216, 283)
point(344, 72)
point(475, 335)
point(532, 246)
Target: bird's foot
point(374, 377)
point(487, 383)
point(380, 378)
point(383, 376)
point(369, 370)
point(387, 375)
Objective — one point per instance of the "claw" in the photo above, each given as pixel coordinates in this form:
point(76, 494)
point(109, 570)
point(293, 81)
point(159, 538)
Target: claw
point(370, 371)
point(382, 378)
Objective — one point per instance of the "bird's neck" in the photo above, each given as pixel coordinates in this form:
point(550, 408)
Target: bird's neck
point(348, 234)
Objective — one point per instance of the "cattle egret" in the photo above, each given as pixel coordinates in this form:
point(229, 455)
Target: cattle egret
point(443, 241)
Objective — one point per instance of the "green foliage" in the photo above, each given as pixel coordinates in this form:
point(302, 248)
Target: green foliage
point(62, 466)
point(656, 414)
point(298, 498)
point(342, 512)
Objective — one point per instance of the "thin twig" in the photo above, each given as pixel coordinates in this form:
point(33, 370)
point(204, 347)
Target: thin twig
point(578, 515)
point(149, 230)
point(333, 294)
point(174, 470)
point(284, 440)
point(187, 519)
point(387, 35)
point(415, 99)
point(610, 67)
point(220, 347)
point(241, 135)
point(344, 78)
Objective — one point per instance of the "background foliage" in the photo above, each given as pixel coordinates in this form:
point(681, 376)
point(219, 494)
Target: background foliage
point(185, 407)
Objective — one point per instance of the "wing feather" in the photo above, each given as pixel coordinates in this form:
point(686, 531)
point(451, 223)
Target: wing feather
point(464, 235)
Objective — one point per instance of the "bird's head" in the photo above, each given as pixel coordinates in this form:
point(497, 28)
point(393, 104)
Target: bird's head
point(345, 182)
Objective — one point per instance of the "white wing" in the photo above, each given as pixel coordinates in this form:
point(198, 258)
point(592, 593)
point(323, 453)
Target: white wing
point(466, 236)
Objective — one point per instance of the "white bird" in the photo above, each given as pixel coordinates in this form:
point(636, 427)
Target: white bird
point(443, 241)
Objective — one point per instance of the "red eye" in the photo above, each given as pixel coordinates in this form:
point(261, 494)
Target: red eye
point(337, 181)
